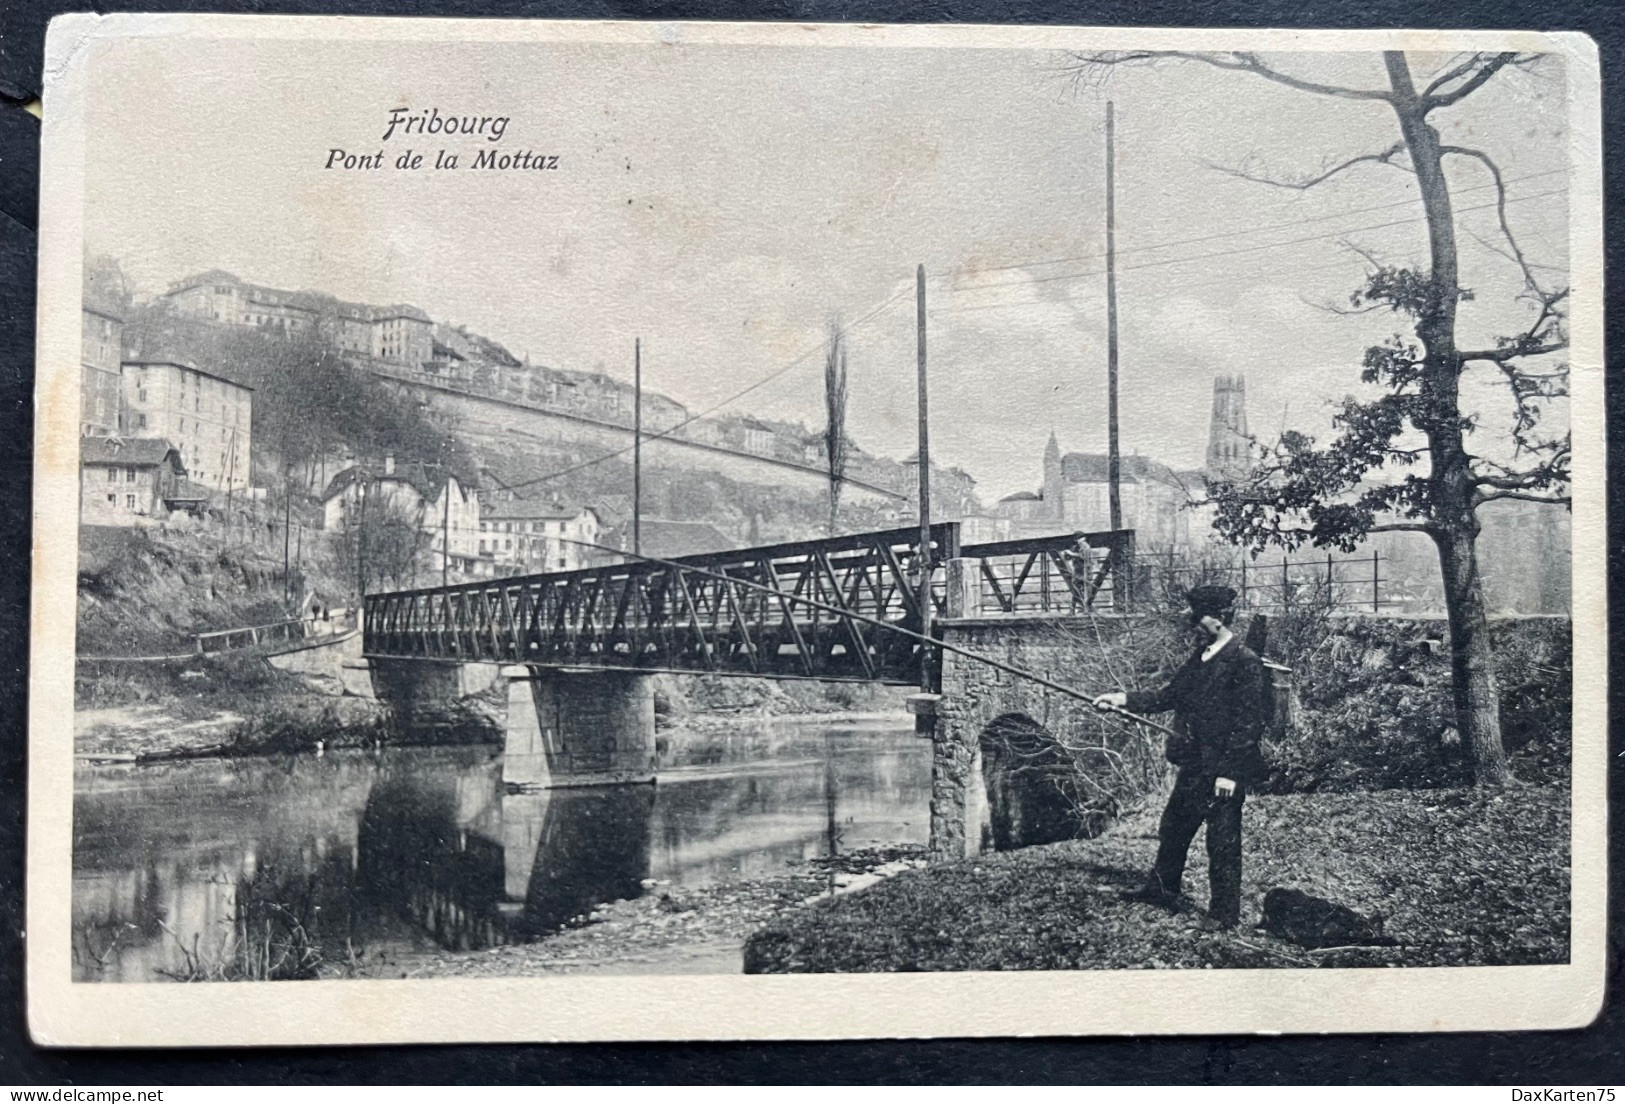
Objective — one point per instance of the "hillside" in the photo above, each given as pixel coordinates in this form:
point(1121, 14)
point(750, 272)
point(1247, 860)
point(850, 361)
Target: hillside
point(142, 593)
point(315, 405)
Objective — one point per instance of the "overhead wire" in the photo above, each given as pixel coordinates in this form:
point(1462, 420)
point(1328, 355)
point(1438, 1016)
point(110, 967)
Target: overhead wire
point(992, 285)
point(1199, 257)
point(692, 418)
point(1247, 249)
point(1255, 229)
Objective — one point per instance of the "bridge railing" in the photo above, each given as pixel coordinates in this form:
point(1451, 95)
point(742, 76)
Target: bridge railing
point(778, 611)
point(1066, 573)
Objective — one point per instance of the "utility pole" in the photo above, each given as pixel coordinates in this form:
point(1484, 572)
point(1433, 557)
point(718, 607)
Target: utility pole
point(445, 536)
point(927, 679)
point(287, 519)
point(637, 446)
point(1114, 462)
point(361, 535)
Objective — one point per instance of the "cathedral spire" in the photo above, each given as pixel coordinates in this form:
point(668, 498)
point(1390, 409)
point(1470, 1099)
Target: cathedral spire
point(1229, 445)
point(1052, 492)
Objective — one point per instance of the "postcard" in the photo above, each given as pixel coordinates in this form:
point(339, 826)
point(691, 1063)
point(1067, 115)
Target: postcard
point(609, 530)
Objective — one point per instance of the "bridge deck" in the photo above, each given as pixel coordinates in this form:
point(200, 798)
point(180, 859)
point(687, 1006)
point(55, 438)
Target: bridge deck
point(776, 611)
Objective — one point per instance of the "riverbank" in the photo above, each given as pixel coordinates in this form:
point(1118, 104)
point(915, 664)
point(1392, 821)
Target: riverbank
point(1464, 877)
point(242, 705)
point(668, 930)
point(274, 725)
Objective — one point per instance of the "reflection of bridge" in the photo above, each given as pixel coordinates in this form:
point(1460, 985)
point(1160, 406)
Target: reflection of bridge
point(577, 647)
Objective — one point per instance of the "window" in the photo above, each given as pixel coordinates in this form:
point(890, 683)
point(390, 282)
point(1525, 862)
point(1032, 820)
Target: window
point(129, 501)
point(129, 475)
point(112, 475)
point(561, 561)
point(141, 421)
point(112, 500)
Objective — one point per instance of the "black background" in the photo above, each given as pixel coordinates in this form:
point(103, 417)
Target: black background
point(1592, 1056)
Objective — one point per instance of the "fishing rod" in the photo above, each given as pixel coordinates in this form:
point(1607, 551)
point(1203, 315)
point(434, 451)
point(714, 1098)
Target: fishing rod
point(878, 623)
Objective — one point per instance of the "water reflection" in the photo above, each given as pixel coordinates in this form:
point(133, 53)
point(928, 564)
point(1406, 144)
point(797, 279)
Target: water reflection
point(228, 868)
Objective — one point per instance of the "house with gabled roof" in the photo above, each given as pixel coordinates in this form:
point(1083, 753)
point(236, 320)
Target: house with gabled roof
point(128, 481)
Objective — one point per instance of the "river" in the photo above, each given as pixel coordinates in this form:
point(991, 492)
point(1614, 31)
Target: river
point(411, 850)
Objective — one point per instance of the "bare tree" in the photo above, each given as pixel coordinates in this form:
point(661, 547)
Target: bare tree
point(836, 445)
point(1300, 492)
point(387, 537)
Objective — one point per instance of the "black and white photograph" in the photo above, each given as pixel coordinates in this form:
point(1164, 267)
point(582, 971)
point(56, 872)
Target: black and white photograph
point(660, 531)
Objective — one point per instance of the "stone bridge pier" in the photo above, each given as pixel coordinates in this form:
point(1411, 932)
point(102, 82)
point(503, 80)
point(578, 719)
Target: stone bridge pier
point(568, 728)
point(560, 728)
point(982, 796)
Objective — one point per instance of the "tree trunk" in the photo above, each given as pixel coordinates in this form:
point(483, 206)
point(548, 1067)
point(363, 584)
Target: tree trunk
point(1454, 522)
point(1472, 664)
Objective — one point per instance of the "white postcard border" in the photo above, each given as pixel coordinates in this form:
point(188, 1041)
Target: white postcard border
point(772, 1007)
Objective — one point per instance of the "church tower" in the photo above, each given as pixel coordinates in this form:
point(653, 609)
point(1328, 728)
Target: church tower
point(1054, 485)
point(1229, 445)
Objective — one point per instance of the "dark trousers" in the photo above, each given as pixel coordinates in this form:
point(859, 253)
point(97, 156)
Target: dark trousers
point(1192, 803)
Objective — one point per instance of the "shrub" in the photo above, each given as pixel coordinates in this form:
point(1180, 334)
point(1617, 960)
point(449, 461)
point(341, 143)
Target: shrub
point(1373, 706)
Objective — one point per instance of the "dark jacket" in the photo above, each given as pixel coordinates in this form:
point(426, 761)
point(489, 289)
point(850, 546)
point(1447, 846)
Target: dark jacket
point(1221, 708)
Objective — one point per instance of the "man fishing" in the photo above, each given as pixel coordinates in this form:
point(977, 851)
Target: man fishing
point(1221, 700)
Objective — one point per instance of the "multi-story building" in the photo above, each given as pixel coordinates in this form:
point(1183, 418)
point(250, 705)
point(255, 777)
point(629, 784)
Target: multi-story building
point(352, 328)
point(534, 536)
point(402, 334)
point(207, 416)
point(1162, 506)
point(399, 334)
point(216, 295)
point(445, 512)
point(128, 481)
point(100, 390)
point(1076, 497)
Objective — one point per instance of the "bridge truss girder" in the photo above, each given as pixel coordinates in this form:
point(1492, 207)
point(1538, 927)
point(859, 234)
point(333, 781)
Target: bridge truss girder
point(694, 614)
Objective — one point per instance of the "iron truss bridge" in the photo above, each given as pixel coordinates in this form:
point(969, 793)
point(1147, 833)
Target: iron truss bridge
point(803, 610)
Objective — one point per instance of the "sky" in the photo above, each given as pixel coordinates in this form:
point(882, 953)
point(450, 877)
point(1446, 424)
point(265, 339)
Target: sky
point(724, 202)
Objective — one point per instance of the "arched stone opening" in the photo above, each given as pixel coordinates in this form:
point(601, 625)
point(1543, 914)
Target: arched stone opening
point(1031, 786)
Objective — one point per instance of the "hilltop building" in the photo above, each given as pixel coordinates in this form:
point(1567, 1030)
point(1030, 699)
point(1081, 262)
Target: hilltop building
point(130, 481)
point(1157, 501)
point(403, 343)
point(397, 334)
point(208, 417)
point(100, 349)
point(1076, 497)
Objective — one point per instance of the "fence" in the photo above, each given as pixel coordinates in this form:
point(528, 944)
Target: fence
point(280, 632)
point(1332, 582)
